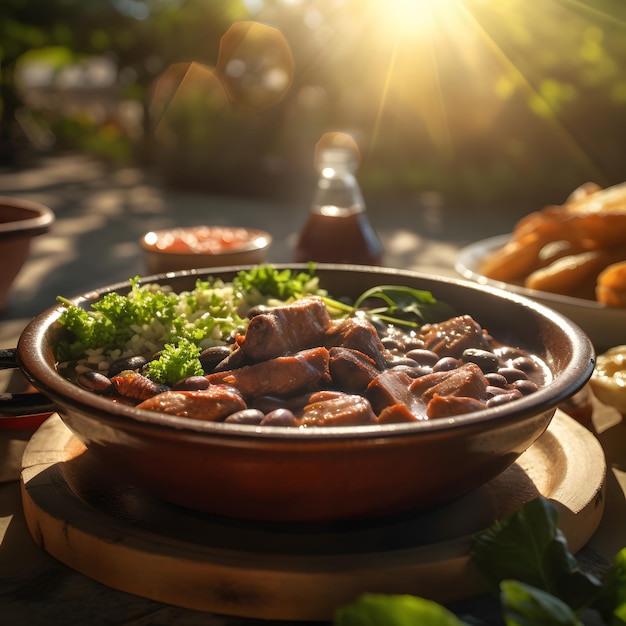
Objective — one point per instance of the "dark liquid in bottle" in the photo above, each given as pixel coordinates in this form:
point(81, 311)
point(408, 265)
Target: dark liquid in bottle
point(339, 239)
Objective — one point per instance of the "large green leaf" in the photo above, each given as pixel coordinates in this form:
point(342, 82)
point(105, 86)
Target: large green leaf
point(394, 610)
point(528, 547)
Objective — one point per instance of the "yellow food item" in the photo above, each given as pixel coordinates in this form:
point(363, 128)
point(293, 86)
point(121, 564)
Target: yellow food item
point(569, 275)
point(576, 274)
point(608, 381)
point(611, 285)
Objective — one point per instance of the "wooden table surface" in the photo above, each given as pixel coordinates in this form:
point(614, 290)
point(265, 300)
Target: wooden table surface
point(101, 214)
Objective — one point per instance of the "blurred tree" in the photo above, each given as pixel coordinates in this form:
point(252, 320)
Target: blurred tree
point(142, 36)
point(480, 100)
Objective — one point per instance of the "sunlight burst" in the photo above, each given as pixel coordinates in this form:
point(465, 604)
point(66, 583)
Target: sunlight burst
point(414, 18)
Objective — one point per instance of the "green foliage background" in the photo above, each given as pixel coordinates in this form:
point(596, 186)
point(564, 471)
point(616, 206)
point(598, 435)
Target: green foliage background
point(530, 106)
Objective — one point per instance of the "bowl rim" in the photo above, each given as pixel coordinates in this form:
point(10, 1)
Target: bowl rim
point(38, 224)
point(33, 355)
point(250, 245)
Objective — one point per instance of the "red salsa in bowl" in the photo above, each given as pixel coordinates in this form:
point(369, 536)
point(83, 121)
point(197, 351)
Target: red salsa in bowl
point(203, 246)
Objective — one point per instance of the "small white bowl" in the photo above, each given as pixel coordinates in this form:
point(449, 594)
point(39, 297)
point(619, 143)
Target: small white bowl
point(195, 247)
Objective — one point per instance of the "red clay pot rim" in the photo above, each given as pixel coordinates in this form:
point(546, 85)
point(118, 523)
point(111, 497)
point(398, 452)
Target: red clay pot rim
point(42, 373)
point(38, 224)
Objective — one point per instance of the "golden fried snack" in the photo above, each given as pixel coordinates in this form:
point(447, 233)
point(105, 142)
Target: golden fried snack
point(608, 200)
point(611, 285)
point(591, 219)
point(586, 189)
point(575, 274)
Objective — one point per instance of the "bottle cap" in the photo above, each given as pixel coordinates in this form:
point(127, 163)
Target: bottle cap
point(338, 152)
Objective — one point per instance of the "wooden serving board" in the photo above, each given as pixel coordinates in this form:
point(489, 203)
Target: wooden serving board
point(123, 537)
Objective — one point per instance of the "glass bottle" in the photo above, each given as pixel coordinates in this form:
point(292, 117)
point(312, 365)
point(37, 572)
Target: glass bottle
point(337, 229)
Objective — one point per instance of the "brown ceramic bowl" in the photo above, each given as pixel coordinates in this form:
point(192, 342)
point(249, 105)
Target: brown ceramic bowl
point(332, 473)
point(174, 249)
point(20, 221)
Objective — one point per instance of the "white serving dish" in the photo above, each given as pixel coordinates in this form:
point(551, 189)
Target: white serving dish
point(605, 326)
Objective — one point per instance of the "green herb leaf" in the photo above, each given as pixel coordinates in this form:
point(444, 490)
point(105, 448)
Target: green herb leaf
point(175, 363)
point(84, 330)
point(528, 547)
point(394, 610)
point(284, 285)
point(398, 305)
point(524, 605)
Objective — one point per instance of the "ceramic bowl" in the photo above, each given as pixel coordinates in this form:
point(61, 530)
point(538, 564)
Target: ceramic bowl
point(174, 249)
point(20, 221)
point(322, 474)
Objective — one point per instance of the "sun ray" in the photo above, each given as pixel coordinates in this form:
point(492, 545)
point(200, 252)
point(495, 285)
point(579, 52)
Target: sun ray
point(586, 8)
point(383, 98)
point(526, 85)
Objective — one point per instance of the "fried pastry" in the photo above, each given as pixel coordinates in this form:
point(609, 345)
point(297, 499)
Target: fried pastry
point(563, 248)
point(611, 285)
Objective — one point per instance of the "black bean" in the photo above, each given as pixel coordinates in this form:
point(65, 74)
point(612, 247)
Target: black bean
point(391, 343)
point(525, 386)
point(423, 357)
point(246, 416)
point(496, 380)
point(446, 364)
point(487, 361)
point(396, 361)
point(508, 353)
point(95, 381)
point(414, 343)
point(413, 372)
point(511, 374)
point(495, 391)
point(268, 403)
point(524, 363)
point(280, 417)
point(210, 357)
point(132, 363)
point(192, 383)
point(503, 398)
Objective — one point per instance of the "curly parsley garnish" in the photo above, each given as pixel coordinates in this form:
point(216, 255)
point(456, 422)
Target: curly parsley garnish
point(150, 317)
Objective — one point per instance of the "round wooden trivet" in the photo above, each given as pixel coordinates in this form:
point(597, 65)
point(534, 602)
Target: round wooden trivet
point(121, 536)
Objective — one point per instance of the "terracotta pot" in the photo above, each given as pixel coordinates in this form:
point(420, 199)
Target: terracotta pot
point(322, 474)
point(20, 221)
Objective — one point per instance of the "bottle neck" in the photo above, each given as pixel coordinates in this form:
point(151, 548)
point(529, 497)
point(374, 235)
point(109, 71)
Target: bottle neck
point(338, 196)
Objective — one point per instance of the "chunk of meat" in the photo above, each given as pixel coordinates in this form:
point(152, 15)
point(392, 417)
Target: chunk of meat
point(467, 381)
point(451, 337)
point(284, 330)
point(212, 404)
point(358, 333)
point(136, 386)
point(449, 406)
point(351, 370)
point(391, 388)
point(283, 376)
point(396, 414)
point(342, 410)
